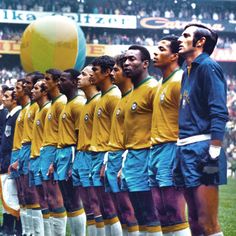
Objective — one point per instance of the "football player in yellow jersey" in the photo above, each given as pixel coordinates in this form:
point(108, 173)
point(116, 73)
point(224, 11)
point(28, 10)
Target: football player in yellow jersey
point(30, 194)
point(48, 153)
point(83, 160)
point(168, 200)
point(24, 100)
point(137, 139)
point(102, 67)
point(67, 140)
point(117, 148)
point(39, 95)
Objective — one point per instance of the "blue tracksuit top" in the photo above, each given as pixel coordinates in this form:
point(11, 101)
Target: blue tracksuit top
point(203, 100)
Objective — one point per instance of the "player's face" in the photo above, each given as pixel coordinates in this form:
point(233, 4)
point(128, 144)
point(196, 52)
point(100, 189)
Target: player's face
point(117, 74)
point(65, 83)
point(84, 78)
point(162, 56)
point(28, 85)
point(37, 91)
point(7, 99)
point(133, 64)
point(186, 41)
point(98, 76)
point(19, 91)
point(50, 83)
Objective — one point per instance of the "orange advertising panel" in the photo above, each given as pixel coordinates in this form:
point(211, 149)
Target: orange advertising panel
point(96, 50)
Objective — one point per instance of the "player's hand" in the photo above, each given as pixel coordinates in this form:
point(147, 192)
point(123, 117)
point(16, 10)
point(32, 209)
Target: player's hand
point(102, 171)
point(14, 165)
point(69, 173)
point(50, 169)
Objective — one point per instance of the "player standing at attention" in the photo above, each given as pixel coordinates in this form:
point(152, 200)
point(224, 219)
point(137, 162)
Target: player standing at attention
point(83, 160)
point(117, 148)
point(200, 161)
point(39, 95)
point(137, 139)
point(67, 140)
point(48, 153)
point(102, 67)
point(168, 200)
point(30, 195)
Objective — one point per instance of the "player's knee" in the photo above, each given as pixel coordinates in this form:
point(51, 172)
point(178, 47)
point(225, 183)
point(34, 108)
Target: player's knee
point(209, 225)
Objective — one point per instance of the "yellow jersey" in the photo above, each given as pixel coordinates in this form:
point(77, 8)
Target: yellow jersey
point(69, 122)
point(165, 109)
point(138, 115)
point(52, 120)
point(38, 130)
point(102, 119)
point(86, 123)
point(19, 128)
point(28, 122)
point(117, 124)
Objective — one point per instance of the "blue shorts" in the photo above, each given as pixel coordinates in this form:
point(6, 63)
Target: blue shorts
point(35, 177)
point(14, 157)
point(82, 168)
point(192, 165)
point(135, 171)
point(161, 164)
point(63, 162)
point(97, 162)
point(47, 155)
point(114, 164)
point(24, 159)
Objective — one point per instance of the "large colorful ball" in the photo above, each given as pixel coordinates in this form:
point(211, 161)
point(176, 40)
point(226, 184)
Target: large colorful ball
point(52, 42)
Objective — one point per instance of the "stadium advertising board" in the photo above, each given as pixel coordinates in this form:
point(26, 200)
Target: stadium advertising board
point(96, 50)
point(176, 24)
point(91, 20)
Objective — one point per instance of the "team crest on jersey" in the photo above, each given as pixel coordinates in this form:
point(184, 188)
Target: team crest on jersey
point(50, 116)
point(162, 97)
point(134, 106)
point(19, 118)
point(185, 99)
point(38, 122)
point(86, 117)
point(99, 112)
point(7, 130)
point(29, 115)
point(64, 116)
point(118, 112)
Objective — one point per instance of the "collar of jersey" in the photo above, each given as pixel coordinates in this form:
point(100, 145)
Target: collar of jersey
point(112, 87)
point(54, 99)
point(167, 78)
point(45, 104)
point(89, 100)
point(142, 81)
point(125, 94)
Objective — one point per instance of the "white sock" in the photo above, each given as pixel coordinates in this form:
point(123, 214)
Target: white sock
point(51, 225)
point(154, 234)
point(59, 226)
point(108, 230)
point(101, 231)
point(92, 231)
point(142, 233)
point(217, 234)
point(169, 234)
point(23, 218)
point(30, 221)
point(116, 229)
point(135, 233)
point(38, 222)
point(182, 232)
point(47, 227)
point(77, 225)
point(125, 232)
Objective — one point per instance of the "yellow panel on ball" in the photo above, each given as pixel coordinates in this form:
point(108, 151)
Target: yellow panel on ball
point(50, 42)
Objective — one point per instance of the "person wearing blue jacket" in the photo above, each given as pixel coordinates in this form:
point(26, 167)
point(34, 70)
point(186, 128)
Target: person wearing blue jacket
point(200, 164)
